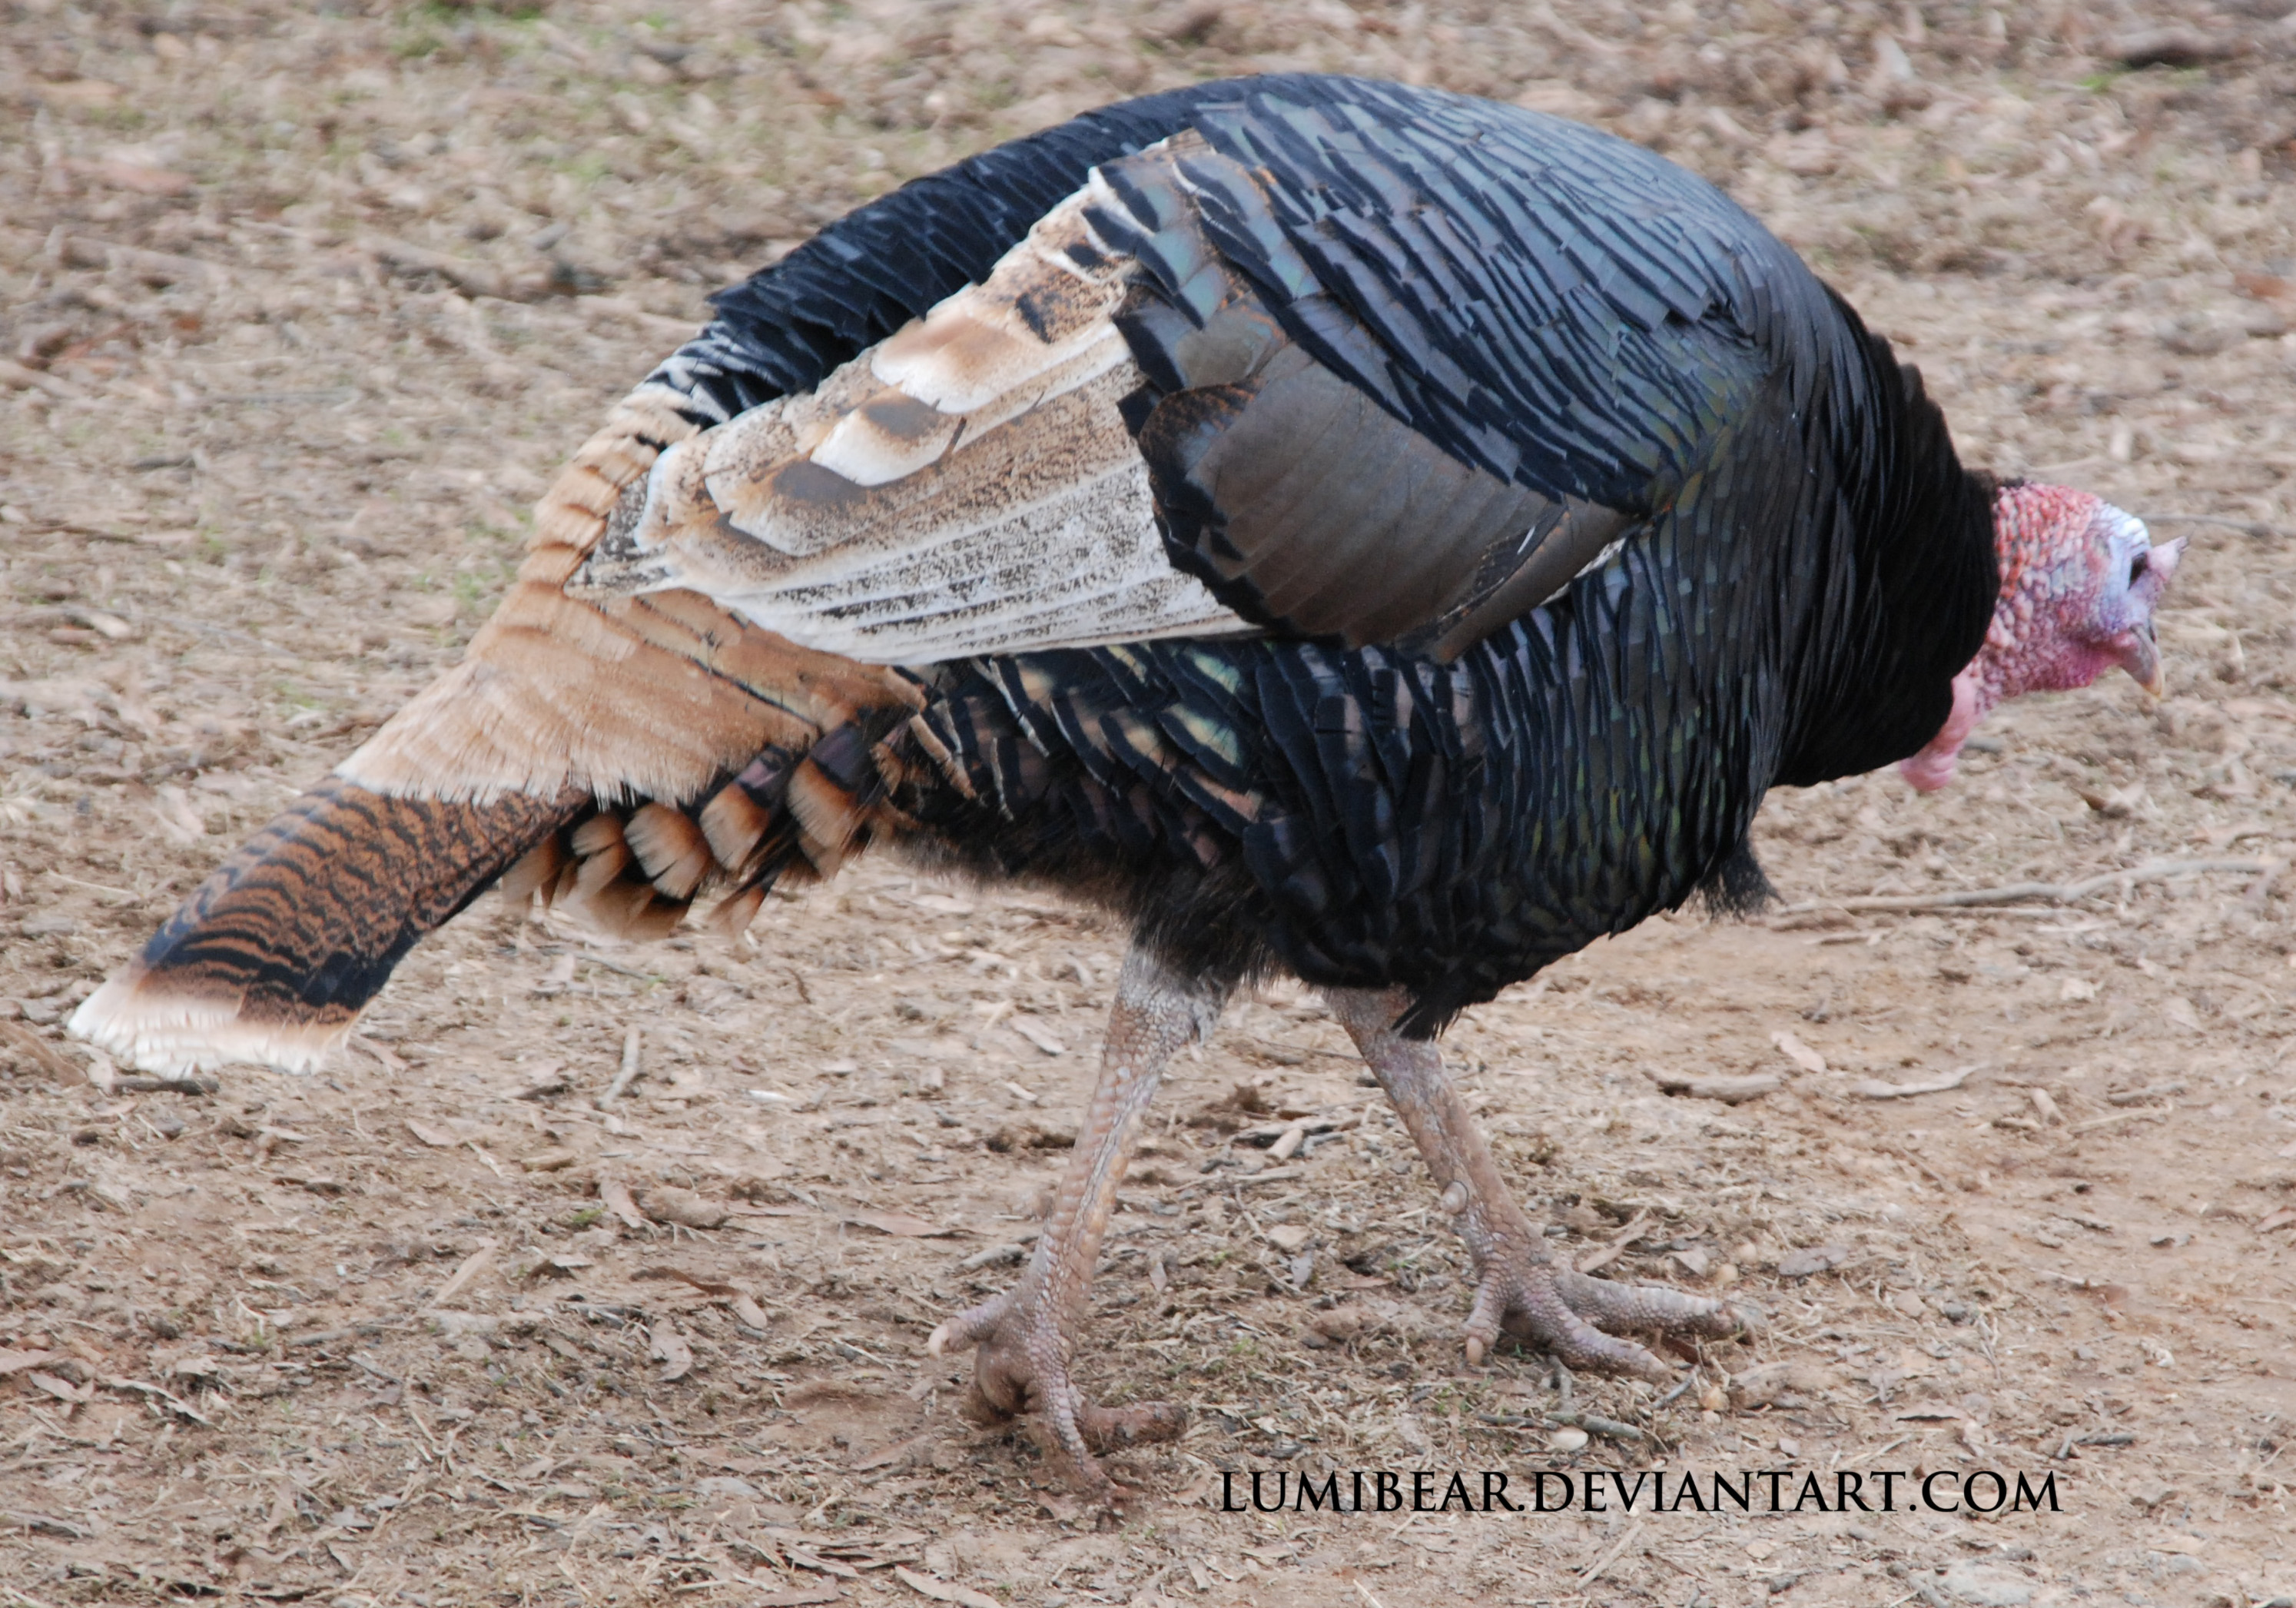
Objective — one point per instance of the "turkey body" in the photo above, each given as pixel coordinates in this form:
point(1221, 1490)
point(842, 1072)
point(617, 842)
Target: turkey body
point(1349, 528)
point(1345, 529)
point(1401, 366)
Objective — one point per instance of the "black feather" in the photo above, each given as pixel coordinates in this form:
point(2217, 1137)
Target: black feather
point(1411, 362)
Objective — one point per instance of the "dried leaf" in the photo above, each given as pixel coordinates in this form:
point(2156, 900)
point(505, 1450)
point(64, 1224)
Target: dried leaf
point(437, 1138)
point(16, 1362)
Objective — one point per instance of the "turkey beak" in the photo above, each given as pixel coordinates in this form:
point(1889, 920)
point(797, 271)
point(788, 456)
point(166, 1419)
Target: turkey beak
point(2141, 658)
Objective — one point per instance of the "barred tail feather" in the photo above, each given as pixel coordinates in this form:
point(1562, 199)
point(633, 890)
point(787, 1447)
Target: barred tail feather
point(272, 959)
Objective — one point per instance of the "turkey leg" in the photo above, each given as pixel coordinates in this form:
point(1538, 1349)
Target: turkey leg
point(1520, 1286)
point(1028, 1334)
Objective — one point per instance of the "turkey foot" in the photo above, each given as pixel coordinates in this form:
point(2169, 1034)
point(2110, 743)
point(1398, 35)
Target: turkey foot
point(1027, 1336)
point(1520, 1288)
point(1023, 1367)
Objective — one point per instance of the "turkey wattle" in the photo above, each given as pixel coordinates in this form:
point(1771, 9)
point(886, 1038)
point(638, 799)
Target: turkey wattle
point(1348, 530)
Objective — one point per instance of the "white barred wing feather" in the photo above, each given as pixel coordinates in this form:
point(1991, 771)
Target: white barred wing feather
point(967, 486)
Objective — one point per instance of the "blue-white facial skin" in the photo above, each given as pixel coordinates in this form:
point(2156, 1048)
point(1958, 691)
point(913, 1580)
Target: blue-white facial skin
point(2079, 582)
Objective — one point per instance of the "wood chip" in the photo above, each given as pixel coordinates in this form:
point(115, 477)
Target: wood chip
point(2037, 893)
point(182, 1409)
point(708, 1286)
point(437, 1138)
point(1873, 1088)
point(899, 1223)
point(1038, 1036)
point(462, 1278)
point(555, 1160)
point(614, 1196)
point(683, 1207)
point(471, 278)
point(548, 1078)
point(805, 1558)
point(16, 1362)
point(1812, 1259)
point(2143, 1113)
point(669, 1348)
point(943, 1591)
point(632, 1048)
point(1610, 1252)
point(1730, 1091)
point(60, 1388)
point(1799, 1053)
point(28, 1046)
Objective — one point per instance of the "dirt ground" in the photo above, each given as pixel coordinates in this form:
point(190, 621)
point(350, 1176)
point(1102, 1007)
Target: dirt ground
point(300, 304)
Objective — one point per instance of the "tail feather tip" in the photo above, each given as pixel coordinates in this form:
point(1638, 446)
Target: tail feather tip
point(139, 1020)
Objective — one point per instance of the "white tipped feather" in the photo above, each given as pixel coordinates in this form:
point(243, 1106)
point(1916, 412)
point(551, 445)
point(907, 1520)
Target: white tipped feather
point(169, 1035)
point(969, 486)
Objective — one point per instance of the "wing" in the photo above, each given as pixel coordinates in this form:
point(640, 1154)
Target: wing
point(1339, 359)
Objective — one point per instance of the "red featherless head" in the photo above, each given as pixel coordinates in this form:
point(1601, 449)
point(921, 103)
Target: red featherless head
point(2079, 580)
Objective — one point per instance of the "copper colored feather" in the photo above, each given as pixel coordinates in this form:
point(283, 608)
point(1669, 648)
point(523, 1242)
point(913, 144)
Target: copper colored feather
point(670, 848)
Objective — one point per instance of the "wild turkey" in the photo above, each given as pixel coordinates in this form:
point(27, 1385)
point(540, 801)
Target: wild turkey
point(1348, 530)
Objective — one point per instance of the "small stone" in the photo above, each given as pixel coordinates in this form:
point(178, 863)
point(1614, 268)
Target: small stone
point(1568, 1438)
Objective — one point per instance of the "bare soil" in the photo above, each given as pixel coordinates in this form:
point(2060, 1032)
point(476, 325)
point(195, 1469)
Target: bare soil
point(301, 304)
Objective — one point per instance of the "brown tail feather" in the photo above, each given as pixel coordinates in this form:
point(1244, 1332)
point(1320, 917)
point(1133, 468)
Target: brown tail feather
point(561, 707)
point(670, 849)
point(276, 954)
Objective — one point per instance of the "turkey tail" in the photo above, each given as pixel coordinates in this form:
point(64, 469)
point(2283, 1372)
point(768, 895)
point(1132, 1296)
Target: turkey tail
point(604, 754)
point(273, 956)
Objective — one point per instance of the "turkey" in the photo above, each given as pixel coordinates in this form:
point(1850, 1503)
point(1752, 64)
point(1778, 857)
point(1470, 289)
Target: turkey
point(1348, 530)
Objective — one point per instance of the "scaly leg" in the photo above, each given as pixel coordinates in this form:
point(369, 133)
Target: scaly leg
point(1519, 1284)
point(1028, 1334)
